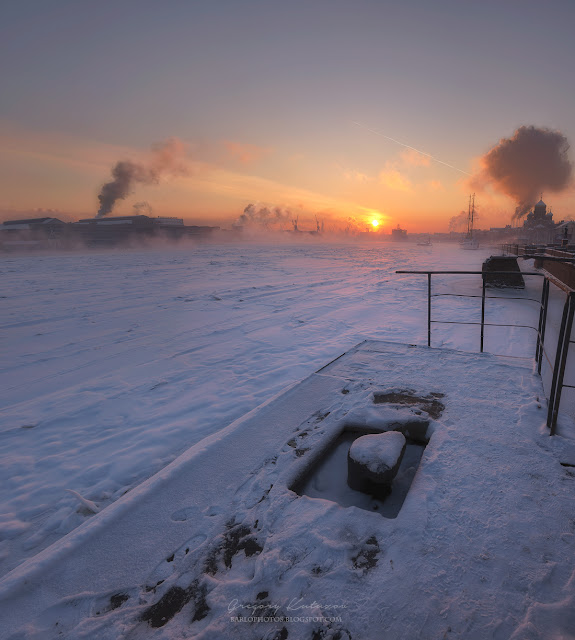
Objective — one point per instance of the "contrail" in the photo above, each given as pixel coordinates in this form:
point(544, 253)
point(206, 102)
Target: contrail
point(413, 148)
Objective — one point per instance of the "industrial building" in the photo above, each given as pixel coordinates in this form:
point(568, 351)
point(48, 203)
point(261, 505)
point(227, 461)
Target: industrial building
point(32, 233)
point(47, 233)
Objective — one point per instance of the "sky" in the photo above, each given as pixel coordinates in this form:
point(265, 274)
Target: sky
point(298, 105)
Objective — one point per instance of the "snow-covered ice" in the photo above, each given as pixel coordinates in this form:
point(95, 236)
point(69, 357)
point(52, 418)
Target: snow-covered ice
point(116, 363)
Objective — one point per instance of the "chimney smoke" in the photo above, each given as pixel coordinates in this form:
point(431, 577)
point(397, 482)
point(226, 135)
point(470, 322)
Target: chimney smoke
point(532, 161)
point(167, 159)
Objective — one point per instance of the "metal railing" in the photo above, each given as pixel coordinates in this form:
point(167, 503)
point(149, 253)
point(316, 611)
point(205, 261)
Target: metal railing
point(563, 341)
point(557, 251)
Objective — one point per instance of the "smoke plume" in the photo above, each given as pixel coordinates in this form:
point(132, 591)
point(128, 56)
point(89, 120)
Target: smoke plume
point(142, 209)
point(264, 217)
point(166, 158)
point(458, 222)
point(533, 160)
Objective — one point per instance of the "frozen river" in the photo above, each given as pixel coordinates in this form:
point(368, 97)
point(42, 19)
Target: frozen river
point(114, 363)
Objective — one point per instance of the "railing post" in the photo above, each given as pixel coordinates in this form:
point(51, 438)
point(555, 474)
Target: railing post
point(542, 325)
point(557, 363)
point(482, 310)
point(564, 353)
point(429, 309)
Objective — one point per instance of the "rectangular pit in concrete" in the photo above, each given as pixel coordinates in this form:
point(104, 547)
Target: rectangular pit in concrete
point(327, 477)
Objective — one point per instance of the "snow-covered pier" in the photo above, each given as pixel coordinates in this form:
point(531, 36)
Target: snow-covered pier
point(483, 546)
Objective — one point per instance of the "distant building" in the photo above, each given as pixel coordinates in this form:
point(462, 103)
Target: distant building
point(31, 233)
point(122, 229)
point(48, 233)
point(398, 234)
point(32, 223)
point(539, 227)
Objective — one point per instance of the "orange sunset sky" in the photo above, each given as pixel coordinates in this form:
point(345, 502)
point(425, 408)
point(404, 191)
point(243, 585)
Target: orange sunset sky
point(301, 105)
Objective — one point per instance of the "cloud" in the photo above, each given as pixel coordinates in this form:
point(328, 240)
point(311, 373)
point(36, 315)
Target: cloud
point(412, 158)
point(394, 179)
point(394, 175)
point(435, 185)
point(245, 153)
point(211, 191)
point(356, 176)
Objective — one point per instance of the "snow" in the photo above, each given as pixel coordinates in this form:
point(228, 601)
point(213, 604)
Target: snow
point(122, 372)
point(114, 363)
point(378, 452)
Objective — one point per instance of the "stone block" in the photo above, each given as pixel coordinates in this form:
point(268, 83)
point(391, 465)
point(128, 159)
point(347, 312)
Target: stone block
point(373, 462)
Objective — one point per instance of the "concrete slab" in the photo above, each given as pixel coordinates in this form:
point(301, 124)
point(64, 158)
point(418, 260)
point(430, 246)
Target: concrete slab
point(487, 482)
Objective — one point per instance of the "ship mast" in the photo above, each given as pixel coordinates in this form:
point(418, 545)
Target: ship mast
point(470, 216)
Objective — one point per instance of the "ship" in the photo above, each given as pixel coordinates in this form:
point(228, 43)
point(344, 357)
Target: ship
point(398, 234)
point(469, 242)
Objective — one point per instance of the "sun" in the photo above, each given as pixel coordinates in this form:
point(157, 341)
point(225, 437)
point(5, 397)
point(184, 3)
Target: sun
point(375, 224)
